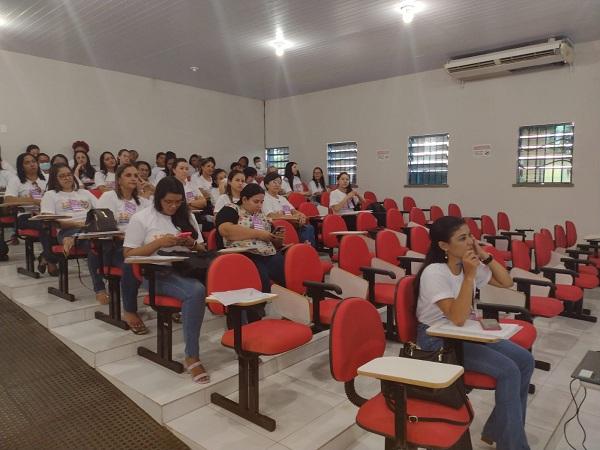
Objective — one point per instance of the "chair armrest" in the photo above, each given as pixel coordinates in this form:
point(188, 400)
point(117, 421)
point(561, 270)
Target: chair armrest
point(410, 259)
point(531, 281)
point(472, 217)
point(322, 287)
point(495, 237)
point(491, 310)
point(587, 262)
point(413, 372)
point(524, 230)
point(572, 251)
point(555, 270)
point(511, 233)
point(426, 209)
point(372, 271)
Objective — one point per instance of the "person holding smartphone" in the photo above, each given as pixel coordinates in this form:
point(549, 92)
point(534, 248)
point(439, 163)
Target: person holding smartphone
point(168, 225)
point(445, 286)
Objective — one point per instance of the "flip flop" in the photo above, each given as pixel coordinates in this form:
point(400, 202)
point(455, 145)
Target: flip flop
point(138, 328)
point(203, 378)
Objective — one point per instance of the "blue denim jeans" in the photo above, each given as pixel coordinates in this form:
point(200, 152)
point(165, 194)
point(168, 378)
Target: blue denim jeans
point(191, 292)
point(269, 268)
point(511, 366)
point(307, 233)
point(112, 254)
point(92, 258)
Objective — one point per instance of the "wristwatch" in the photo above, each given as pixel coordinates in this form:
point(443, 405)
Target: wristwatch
point(487, 260)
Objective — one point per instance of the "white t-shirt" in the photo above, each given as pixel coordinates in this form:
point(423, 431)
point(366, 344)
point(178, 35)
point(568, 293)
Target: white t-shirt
point(276, 205)
point(5, 177)
point(336, 197)
point(202, 182)
point(34, 189)
point(222, 201)
point(298, 186)
point(438, 283)
point(262, 171)
point(76, 203)
point(107, 180)
point(9, 167)
point(159, 176)
point(214, 195)
point(313, 188)
point(122, 209)
point(149, 224)
point(191, 190)
point(154, 174)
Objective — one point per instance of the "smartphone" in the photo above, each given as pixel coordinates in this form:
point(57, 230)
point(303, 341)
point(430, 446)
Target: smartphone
point(489, 324)
point(185, 234)
point(279, 230)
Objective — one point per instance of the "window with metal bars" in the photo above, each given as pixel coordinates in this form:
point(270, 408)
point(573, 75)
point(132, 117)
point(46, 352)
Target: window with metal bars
point(278, 157)
point(341, 157)
point(428, 160)
point(545, 154)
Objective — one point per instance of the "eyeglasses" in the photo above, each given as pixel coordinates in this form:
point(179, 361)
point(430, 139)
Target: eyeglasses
point(172, 202)
point(65, 176)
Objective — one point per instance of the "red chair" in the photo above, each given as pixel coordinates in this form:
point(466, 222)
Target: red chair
point(263, 337)
point(488, 232)
point(473, 228)
point(356, 338)
point(96, 192)
point(417, 216)
point(291, 235)
point(388, 246)
point(332, 223)
point(366, 222)
point(389, 203)
point(592, 247)
point(296, 199)
point(408, 203)
point(435, 213)
point(560, 245)
point(394, 220)
point(370, 197)
point(504, 228)
point(309, 209)
point(30, 236)
point(454, 210)
point(211, 242)
point(63, 271)
point(113, 277)
point(419, 240)
point(324, 200)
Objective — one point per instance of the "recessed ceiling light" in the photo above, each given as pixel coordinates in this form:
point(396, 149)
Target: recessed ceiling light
point(408, 9)
point(3, 21)
point(280, 43)
point(194, 68)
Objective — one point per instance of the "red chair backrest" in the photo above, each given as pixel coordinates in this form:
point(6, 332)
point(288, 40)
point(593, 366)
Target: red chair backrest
point(365, 221)
point(137, 272)
point(325, 199)
point(435, 213)
point(419, 240)
point(542, 245)
point(296, 199)
point(332, 223)
point(394, 219)
point(388, 247)
point(354, 254)
point(548, 236)
point(370, 197)
point(96, 192)
point(355, 338)
point(487, 225)
point(473, 228)
point(291, 235)
point(302, 263)
point(308, 209)
point(408, 203)
point(417, 215)
point(560, 238)
point(496, 254)
point(571, 233)
point(406, 308)
point(520, 255)
point(389, 203)
point(503, 221)
point(211, 242)
point(454, 210)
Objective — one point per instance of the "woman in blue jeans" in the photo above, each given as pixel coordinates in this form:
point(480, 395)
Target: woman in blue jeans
point(169, 225)
point(454, 267)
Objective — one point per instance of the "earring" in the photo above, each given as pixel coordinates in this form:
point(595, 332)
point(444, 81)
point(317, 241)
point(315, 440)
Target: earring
point(446, 255)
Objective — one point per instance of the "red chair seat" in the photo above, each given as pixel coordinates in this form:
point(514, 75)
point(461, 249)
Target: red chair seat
point(590, 270)
point(73, 252)
point(8, 220)
point(375, 416)
point(586, 281)
point(326, 266)
point(595, 260)
point(26, 232)
point(479, 380)
point(385, 293)
point(529, 243)
point(545, 306)
point(526, 335)
point(115, 271)
point(566, 292)
point(270, 336)
point(160, 300)
point(326, 308)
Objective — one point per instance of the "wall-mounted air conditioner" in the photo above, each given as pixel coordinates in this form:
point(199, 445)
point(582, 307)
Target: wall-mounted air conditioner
point(552, 52)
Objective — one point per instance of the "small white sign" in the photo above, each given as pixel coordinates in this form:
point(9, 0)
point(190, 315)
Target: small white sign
point(482, 151)
point(383, 155)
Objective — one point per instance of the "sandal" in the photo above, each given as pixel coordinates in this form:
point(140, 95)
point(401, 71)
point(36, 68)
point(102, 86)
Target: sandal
point(487, 440)
point(102, 298)
point(202, 378)
point(177, 317)
point(138, 327)
point(42, 264)
point(52, 269)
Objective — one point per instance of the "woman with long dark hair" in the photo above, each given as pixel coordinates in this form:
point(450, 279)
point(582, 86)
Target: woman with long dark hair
point(145, 186)
point(292, 182)
point(203, 178)
point(344, 198)
point(445, 287)
point(193, 196)
point(235, 183)
point(105, 177)
point(160, 227)
point(83, 170)
point(168, 169)
point(317, 185)
point(59, 158)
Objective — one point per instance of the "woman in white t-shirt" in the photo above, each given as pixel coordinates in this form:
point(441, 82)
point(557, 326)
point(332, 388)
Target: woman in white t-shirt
point(105, 177)
point(162, 226)
point(124, 202)
point(454, 267)
point(218, 186)
point(291, 181)
point(83, 170)
point(64, 197)
point(145, 187)
point(235, 183)
point(193, 196)
point(317, 185)
point(203, 178)
point(344, 198)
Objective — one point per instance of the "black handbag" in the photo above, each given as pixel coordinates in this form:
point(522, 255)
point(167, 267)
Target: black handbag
point(194, 266)
point(100, 219)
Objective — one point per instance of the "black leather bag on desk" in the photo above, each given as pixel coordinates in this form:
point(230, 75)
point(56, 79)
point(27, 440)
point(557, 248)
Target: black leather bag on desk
point(100, 219)
point(194, 266)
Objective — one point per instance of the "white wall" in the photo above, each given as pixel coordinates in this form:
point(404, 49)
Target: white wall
point(52, 104)
point(383, 114)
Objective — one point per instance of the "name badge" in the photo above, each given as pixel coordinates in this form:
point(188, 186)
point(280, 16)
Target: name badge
point(35, 193)
point(286, 210)
point(189, 196)
point(257, 223)
point(75, 205)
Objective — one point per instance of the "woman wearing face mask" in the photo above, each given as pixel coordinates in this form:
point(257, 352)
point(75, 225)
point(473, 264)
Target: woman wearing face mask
point(445, 286)
point(124, 202)
point(193, 197)
point(145, 187)
point(105, 177)
point(64, 196)
point(291, 180)
point(157, 227)
point(44, 162)
point(83, 170)
point(27, 188)
point(235, 183)
point(259, 166)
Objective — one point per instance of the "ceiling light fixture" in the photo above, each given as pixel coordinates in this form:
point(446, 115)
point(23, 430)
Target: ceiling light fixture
point(194, 68)
point(280, 43)
point(3, 21)
point(408, 9)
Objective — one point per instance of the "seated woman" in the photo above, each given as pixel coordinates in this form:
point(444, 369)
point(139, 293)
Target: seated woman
point(235, 183)
point(59, 158)
point(218, 186)
point(124, 202)
point(105, 177)
point(277, 206)
point(83, 170)
point(168, 169)
point(63, 196)
point(145, 187)
point(317, 185)
point(193, 196)
point(243, 224)
point(292, 181)
point(454, 267)
point(27, 188)
point(159, 227)
point(344, 199)
point(203, 178)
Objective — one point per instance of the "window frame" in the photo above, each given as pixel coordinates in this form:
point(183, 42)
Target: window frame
point(353, 181)
point(280, 170)
point(446, 135)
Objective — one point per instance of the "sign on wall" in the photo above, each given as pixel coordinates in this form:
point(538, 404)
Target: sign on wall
point(383, 155)
point(482, 151)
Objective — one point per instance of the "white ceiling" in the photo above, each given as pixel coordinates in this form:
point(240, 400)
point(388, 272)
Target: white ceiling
point(338, 42)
